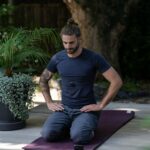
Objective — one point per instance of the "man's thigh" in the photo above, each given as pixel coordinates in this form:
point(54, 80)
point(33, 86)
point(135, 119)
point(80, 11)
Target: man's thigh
point(56, 126)
point(57, 121)
point(85, 121)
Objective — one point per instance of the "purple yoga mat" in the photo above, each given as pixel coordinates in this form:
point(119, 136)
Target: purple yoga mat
point(109, 122)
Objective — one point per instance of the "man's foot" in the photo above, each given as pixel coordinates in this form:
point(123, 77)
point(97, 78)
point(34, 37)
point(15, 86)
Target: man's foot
point(78, 147)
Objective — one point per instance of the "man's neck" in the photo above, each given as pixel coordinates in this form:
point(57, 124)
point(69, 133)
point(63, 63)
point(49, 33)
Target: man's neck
point(76, 54)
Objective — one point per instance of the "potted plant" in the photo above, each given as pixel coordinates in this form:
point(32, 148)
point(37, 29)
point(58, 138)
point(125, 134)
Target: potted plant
point(15, 99)
point(17, 50)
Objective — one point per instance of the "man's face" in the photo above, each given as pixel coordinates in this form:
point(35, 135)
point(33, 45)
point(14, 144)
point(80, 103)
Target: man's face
point(71, 43)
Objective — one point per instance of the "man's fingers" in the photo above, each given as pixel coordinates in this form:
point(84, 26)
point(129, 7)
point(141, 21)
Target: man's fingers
point(88, 108)
point(59, 106)
point(56, 107)
point(85, 109)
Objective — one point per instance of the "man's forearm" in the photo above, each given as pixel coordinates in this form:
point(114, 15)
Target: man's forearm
point(45, 77)
point(110, 94)
point(115, 83)
point(46, 92)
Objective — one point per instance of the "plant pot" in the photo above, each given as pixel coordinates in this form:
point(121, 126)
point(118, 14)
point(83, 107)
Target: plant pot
point(8, 121)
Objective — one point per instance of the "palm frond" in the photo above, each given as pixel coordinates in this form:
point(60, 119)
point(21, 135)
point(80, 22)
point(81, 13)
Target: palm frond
point(24, 44)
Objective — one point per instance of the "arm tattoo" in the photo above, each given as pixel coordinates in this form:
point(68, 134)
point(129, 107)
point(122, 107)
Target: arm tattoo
point(45, 77)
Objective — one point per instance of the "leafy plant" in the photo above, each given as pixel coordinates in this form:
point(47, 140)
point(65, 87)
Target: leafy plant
point(146, 122)
point(6, 9)
point(20, 49)
point(130, 86)
point(17, 92)
point(146, 125)
point(146, 148)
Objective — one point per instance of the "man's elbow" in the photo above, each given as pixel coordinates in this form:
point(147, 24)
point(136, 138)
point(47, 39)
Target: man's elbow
point(42, 81)
point(119, 83)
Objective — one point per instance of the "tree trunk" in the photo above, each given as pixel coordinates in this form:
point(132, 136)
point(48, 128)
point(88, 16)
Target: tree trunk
point(102, 24)
point(89, 32)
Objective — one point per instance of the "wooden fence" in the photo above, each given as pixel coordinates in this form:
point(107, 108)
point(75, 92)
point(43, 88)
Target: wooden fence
point(50, 14)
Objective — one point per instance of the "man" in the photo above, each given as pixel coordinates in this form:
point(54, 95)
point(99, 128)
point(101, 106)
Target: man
point(78, 112)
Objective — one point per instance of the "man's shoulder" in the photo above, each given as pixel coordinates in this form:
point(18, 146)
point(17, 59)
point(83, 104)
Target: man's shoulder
point(60, 53)
point(59, 56)
point(90, 53)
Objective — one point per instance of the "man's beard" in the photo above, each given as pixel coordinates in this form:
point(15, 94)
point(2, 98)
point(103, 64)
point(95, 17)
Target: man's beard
point(72, 50)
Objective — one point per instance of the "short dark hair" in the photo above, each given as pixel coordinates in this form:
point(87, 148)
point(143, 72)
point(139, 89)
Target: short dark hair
point(71, 28)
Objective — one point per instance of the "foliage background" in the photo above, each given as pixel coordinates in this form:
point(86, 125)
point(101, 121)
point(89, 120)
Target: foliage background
point(134, 53)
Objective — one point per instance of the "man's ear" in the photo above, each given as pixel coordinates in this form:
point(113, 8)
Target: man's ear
point(80, 40)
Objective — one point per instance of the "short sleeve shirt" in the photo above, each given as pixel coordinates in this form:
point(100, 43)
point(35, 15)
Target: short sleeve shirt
point(78, 75)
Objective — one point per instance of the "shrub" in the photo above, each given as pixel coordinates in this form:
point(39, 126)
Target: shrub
point(17, 92)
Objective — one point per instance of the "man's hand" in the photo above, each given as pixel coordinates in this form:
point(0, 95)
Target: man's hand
point(91, 107)
point(55, 106)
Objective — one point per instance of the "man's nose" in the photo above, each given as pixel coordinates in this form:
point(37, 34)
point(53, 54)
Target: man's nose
point(68, 46)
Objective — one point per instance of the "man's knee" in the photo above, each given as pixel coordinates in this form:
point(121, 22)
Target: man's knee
point(81, 137)
point(50, 135)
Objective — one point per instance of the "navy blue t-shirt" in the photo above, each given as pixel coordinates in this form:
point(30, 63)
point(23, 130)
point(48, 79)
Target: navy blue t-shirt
point(78, 76)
